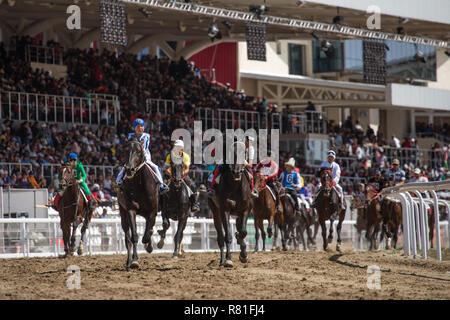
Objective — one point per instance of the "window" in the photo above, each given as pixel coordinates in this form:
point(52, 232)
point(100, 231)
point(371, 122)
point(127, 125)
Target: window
point(327, 56)
point(297, 59)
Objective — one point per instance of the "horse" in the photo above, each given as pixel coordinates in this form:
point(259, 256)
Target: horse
point(391, 212)
point(306, 220)
point(327, 205)
point(279, 223)
point(374, 218)
point(138, 196)
point(175, 205)
point(232, 198)
point(73, 209)
point(290, 219)
point(361, 218)
point(263, 209)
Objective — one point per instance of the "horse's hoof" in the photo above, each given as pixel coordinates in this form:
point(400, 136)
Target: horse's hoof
point(228, 264)
point(243, 259)
point(285, 249)
point(160, 244)
point(338, 248)
point(134, 265)
point(175, 256)
point(148, 247)
point(330, 240)
point(80, 251)
point(62, 256)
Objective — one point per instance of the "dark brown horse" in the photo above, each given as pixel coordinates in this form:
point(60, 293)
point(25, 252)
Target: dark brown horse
point(139, 195)
point(279, 222)
point(308, 218)
point(361, 217)
point(328, 208)
point(232, 198)
point(374, 217)
point(391, 212)
point(73, 209)
point(263, 209)
point(290, 220)
point(175, 205)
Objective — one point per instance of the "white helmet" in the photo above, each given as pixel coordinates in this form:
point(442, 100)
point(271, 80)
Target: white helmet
point(179, 143)
point(417, 171)
point(331, 153)
point(291, 163)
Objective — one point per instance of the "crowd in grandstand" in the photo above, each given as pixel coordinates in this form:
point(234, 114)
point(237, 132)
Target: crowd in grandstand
point(38, 144)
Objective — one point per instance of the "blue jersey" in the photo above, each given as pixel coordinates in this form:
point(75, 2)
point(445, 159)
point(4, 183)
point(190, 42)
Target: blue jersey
point(289, 178)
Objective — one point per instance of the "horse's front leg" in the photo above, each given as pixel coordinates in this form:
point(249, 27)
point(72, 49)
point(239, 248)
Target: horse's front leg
point(241, 224)
point(330, 235)
point(323, 226)
point(225, 217)
point(149, 224)
point(256, 236)
point(75, 225)
point(134, 238)
point(162, 233)
point(338, 229)
point(83, 235)
point(179, 236)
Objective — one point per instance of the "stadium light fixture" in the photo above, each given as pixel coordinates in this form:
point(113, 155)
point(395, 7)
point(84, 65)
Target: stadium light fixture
point(214, 32)
point(300, 3)
point(259, 10)
point(404, 20)
point(401, 30)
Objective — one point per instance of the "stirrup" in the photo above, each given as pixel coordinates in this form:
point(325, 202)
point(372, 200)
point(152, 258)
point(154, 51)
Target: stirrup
point(255, 194)
point(163, 189)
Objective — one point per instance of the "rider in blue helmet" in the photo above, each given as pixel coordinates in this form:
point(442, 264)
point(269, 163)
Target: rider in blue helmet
point(144, 139)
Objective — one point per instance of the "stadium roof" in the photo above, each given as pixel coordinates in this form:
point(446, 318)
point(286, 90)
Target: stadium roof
point(32, 16)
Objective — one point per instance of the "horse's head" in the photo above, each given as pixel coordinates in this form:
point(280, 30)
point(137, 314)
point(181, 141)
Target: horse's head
point(135, 156)
point(326, 180)
point(237, 168)
point(260, 181)
point(66, 177)
point(177, 174)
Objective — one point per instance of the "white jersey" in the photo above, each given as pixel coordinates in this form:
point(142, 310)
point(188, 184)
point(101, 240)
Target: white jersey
point(336, 170)
point(250, 155)
point(144, 139)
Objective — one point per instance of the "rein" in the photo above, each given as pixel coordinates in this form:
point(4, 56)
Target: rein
point(135, 170)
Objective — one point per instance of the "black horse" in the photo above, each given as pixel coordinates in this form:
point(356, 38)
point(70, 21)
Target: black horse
point(232, 198)
point(175, 205)
point(138, 195)
point(328, 208)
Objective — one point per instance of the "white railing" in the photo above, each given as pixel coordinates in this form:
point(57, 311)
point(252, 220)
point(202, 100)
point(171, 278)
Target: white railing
point(29, 237)
point(58, 109)
point(41, 54)
point(162, 106)
point(414, 214)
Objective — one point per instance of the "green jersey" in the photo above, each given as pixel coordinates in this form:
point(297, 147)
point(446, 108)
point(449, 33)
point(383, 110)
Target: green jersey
point(81, 174)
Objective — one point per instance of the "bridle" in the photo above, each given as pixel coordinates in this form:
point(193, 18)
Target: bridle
point(130, 159)
point(67, 182)
point(324, 181)
point(260, 181)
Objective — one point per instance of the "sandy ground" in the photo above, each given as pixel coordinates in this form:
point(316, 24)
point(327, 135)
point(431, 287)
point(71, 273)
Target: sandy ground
point(288, 275)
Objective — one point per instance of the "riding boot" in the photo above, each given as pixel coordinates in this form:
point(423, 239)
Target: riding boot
point(163, 189)
point(91, 201)
point(255, 193)
point(195, 206)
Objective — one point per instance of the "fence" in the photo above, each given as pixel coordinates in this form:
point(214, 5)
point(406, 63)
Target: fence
point(46, 55)
point(58, 109)
point(414, 214)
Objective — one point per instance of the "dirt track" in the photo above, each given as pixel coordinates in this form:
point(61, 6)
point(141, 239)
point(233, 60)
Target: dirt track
point(268, 275)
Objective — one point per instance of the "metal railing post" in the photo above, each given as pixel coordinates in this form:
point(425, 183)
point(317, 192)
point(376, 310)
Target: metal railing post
point(437, 225)
point(423, 214)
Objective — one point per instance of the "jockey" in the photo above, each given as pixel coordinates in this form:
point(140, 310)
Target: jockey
point(269, 168)
point(144, 139)
point(361, 193)
point(291, 181)
point(335, 175)
point(177, 151)
point(81, 178)
point(377, 181)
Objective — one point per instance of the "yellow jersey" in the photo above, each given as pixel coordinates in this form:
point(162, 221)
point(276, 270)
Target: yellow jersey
point(186, 160)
